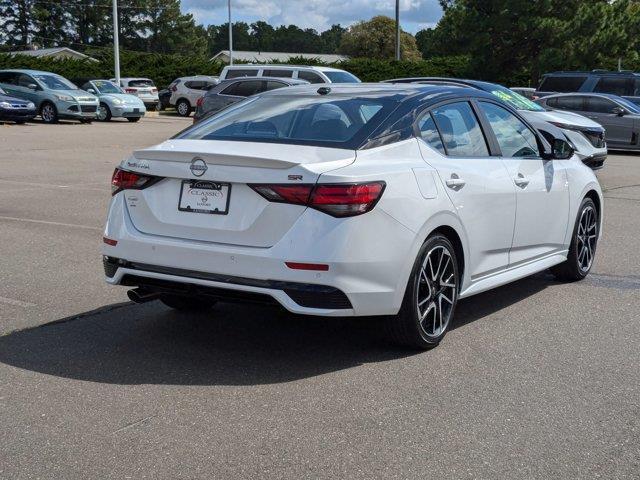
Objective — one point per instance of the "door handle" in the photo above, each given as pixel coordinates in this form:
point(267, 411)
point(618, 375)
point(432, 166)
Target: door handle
point(455, 182)
point(521, 181)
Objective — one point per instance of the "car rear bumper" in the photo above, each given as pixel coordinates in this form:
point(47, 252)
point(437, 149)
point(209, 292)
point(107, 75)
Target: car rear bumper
point(366, 258)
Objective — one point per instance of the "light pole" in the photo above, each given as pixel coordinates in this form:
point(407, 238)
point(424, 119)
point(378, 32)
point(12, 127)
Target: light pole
point(397, 29)
point(116, 46)
point(230, 36)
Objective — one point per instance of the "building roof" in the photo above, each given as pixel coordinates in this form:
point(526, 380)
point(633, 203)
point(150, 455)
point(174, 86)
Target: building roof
point(54, 52)
point(268, 57)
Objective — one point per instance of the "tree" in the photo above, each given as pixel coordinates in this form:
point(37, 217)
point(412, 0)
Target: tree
point(376, 39)
point(332, 38)
point(17, 23)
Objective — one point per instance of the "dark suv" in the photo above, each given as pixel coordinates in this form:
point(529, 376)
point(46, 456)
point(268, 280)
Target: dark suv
point(625, 84)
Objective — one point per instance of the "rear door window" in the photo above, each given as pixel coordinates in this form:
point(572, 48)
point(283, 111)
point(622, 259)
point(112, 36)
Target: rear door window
point(460, 130)
point(277, 72)
point(573, 103)
point(243, 89)
point(242, 72)
point(310, 77)
point(429, 133)
point(562, 83)
point(272, 85)
point(616, 85)
point(8, 77)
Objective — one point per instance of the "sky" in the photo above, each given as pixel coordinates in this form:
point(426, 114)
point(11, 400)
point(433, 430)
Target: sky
point(318, 14)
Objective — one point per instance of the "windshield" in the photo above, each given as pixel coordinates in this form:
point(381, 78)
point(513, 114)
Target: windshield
point(514, 99)
point(104, 86)
point(55, 82)
point(337, 121)
point(341, 77)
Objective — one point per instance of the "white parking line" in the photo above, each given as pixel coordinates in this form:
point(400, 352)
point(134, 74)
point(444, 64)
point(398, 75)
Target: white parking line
point(45, 222)
point(17, 303)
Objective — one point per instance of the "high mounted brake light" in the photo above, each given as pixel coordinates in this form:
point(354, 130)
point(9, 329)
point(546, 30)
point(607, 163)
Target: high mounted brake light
point(337, 199)
point(125, 180)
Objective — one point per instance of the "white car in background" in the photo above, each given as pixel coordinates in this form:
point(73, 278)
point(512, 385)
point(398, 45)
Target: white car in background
point(143, 88)
point(309, 73)
point(186, 91)
point(364, 199)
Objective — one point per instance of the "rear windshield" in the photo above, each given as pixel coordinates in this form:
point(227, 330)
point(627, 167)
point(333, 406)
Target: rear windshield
point(337, 121)
point(564, 84)
point(141, 83)
point(341, 77)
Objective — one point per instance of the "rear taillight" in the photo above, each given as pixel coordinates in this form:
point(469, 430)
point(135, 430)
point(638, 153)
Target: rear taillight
point(154, 90)
point(173, 88)
point(130, 90)
point(337, 200)
point(125, 180)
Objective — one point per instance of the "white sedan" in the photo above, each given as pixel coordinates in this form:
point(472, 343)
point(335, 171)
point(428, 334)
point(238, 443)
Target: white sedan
point(367, 199)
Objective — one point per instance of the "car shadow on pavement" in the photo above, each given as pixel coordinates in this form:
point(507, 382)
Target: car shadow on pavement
point(233, 344)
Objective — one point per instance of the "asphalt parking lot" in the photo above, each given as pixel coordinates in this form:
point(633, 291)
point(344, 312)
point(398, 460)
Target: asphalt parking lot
point(537, 379)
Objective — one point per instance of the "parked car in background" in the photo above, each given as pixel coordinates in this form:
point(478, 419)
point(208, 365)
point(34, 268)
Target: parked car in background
point(586, 136)
point(358, 200)
point(114, 103)
point(164, 96)
point(619, 116)
point(311, 74)
point(526, 92)
point(143, 88)
point(13, 109)
point(186, 91)
point(625, 84)
point(228, 92)
point(54, 96)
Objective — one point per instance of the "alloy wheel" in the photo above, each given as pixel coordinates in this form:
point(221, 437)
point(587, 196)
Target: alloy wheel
point(436, 291)
point(102, 113)
point(48, 113)
point(183, 109)
point(587, 236)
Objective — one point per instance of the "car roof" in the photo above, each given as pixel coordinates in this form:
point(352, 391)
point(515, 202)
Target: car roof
point(197, 77)
point(292, 81)
point(479, 84)
point(283, 66)
point(26, 70)
point(583, 94)
point(593, 72)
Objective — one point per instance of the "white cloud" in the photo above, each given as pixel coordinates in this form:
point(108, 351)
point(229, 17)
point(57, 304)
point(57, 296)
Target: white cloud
point(318, 14)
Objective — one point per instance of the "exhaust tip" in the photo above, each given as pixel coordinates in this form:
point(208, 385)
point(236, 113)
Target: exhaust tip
point(139, 295)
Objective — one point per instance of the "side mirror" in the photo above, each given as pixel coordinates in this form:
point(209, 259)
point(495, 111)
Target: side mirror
point(618, 111)
point(32, 86)
point(91, 90)
point(562, 150)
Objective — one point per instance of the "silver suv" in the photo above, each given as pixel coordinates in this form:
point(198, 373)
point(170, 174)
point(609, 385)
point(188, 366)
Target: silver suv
point(311, 74)
point(186, 91)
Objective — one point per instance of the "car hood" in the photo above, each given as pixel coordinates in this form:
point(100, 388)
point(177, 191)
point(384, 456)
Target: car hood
point(7, 98)
point(77, 94)
point(125, 97)
point(560, 116)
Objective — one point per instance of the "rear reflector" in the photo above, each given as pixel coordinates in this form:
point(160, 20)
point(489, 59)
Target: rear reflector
point(337, 200)
point(125, 180)
point(320, 267)
point(109, 241)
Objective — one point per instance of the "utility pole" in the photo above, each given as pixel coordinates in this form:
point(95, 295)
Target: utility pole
point(116, 46)
point(230, 36)
point(397, 29)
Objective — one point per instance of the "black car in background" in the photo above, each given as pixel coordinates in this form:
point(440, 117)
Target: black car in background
point(625, 84)
point(232, 91)
point(164, 96)
point(15, 109)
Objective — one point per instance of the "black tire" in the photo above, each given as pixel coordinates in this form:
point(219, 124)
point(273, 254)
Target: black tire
point(187, 303)
point(48, 112)
point(159, 107)
point(405, 328)
point(107, 113)
point(579, 262)
point(133, 119)
point(183, 107)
